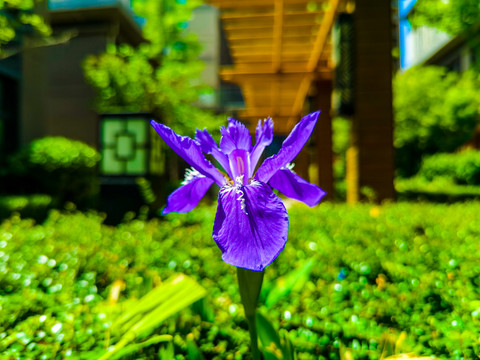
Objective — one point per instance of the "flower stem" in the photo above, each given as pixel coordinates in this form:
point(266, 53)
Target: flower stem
point(250, 284)
point(252, 329)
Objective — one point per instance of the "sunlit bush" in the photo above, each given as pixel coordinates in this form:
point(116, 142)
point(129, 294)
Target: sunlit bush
point(373, 270)
point(63, 168)
point(435, 111)
point(462, 168)
point(440, 190)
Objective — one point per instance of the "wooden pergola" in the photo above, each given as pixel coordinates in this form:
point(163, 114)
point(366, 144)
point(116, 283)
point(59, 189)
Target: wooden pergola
point(279, 48)
point(282, 55)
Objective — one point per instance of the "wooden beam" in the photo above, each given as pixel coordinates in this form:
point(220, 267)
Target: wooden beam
point(260, 15)
point(246, 16)
point(277, 36)
point(262, 32)
point(267, 53)
point(247, 4)
point(301, 94)
point(267, 41)
point(255, 59)
point(286, 92)
point(268, 23)
point(322, 35)
point(245, 72)
point(266, 110)
point(301, 47)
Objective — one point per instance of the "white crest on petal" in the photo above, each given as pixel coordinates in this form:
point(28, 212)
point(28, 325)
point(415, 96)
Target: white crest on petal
point(241, 198)
point(238, 188)
point(254, 182)
point(191, 174)
point(289, 166)
point(239, 180)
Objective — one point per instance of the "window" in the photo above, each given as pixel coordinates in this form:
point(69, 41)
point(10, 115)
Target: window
point(130, 146)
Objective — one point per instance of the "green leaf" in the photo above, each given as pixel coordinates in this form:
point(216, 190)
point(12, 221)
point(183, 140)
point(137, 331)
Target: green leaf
point(135, 348)
point(288, 350)
point(153, 299)
point(193, 352)
point(203, 308)
point(166, 353)
point(173, 296)
point(269, 339)
point(274, 345)
point(294, 280)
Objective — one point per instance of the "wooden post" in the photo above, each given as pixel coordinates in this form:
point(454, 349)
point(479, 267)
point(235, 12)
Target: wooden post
point(323, 137)
point(302, 162)
point(370, 164)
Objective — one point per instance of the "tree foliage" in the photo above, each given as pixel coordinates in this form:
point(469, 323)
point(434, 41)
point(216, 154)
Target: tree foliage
point(18, 17)
point(435, 110)
point(451, 16)
point(161, 76)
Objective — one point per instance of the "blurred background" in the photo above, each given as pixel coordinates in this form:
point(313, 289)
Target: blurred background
point(387, 265)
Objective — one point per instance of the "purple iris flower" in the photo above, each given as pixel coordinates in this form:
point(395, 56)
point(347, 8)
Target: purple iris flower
point(251, 224)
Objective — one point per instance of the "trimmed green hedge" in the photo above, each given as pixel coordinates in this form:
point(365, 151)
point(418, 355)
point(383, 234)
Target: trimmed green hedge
point(440, 190)
point(53, 153)
point(374, 272)
point(463, 167)
point(61, 167)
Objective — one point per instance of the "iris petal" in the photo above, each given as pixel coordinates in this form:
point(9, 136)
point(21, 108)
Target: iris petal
point(190, 151)
point(239, 165)
point(292, 145)
point(209, 146)
point(293, 186)
point(263, 137)
point(235, 136)
point(187, 196)
point(251, 225)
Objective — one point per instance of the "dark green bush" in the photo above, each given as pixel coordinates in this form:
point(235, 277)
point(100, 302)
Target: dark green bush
point(375, 270)
point(63, 168)
point(462, 168)
point(435, 111)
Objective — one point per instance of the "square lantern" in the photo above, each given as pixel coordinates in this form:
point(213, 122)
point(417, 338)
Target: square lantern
point(129, 146)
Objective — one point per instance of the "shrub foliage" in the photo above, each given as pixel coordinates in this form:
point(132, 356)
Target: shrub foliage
point(462, 168)
point(435, 111)
point(63, 168)
point(367, 272)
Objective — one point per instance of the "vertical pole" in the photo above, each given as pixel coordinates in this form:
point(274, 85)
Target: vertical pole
point(370, 158)
point(323, 137)
point(302, 163)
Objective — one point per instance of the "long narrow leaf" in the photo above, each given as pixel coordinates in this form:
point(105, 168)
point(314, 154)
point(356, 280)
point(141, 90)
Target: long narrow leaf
point(153, 298)
point(183, 298)
point(170, 298)
point(135, 348)
point(269, 339)
point(295, 279)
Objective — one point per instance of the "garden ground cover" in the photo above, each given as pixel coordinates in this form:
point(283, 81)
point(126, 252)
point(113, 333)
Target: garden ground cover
point(362, 274)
